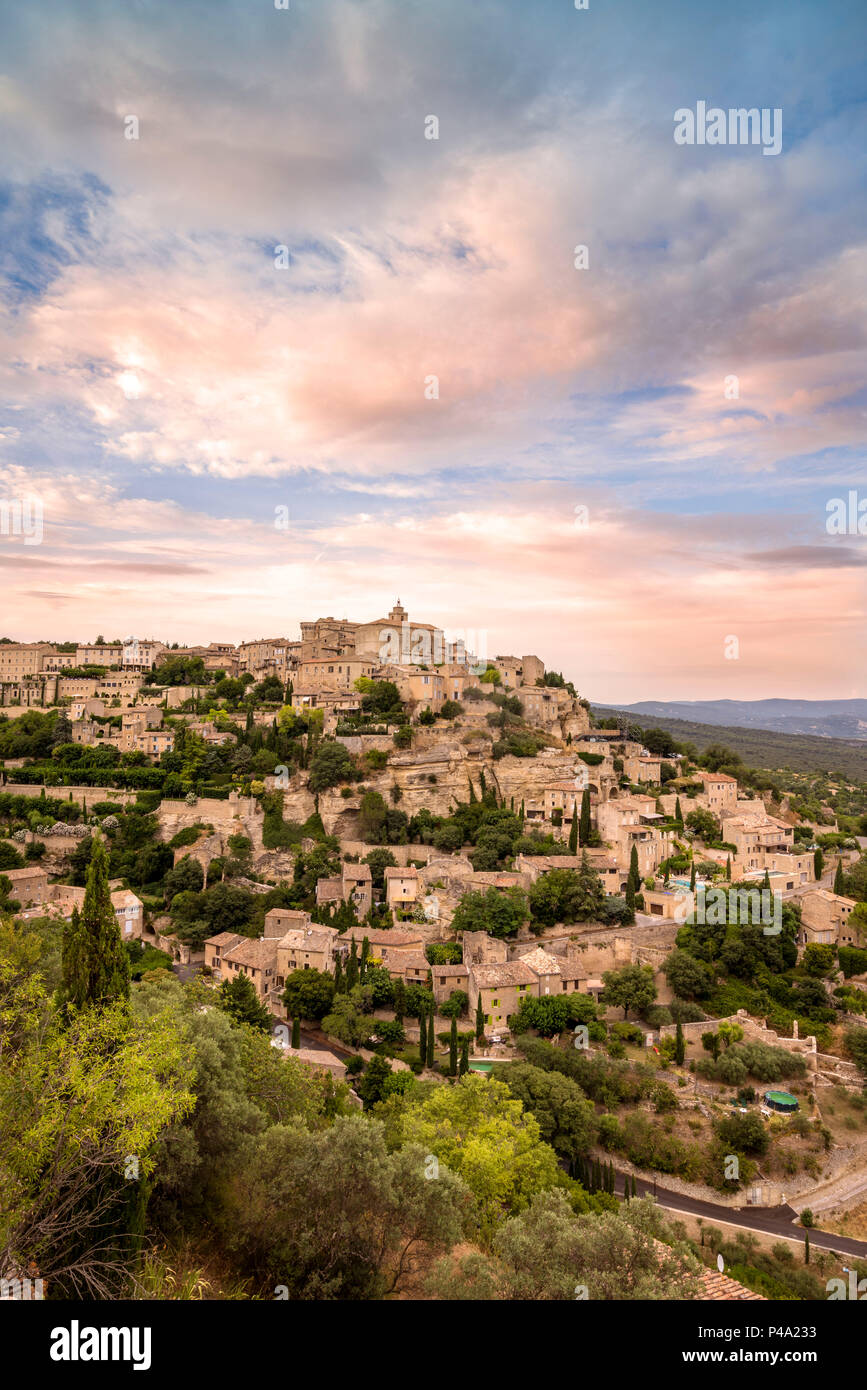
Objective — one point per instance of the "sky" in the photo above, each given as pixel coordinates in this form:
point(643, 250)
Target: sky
point(284, 356)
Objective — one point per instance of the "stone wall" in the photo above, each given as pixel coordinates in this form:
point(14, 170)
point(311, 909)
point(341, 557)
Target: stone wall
point(89, 795)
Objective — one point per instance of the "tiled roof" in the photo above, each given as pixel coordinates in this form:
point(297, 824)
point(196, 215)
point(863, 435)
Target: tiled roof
point(259, 955)
point(541, 961)
point(387, 937)
point(509, 973)
point(359, 873)
point(401, 873)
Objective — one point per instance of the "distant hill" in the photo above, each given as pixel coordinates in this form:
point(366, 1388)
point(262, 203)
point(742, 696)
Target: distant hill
point(846, 719)
point(763, 748)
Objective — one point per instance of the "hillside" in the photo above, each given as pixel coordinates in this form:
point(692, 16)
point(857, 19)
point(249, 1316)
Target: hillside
point(841, 719)
point(763, 748)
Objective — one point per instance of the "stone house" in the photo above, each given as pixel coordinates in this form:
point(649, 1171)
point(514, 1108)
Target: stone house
point(29, 885)
point(401, 886)
point(826, 919)
point(446, 978)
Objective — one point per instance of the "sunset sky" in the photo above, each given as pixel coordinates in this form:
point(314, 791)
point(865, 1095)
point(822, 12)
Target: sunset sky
point(166, 387)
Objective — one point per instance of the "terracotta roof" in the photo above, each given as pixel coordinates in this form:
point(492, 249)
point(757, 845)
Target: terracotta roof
point(413, 960)
point(382, 938)
point(509, 973)
point(719, 1288)
point(223, 938)
point(541, 961)
point(329, 889)
point(259, 955)
point(401, 873)
point(359, 873)
point(306, 940)
point(449, 972)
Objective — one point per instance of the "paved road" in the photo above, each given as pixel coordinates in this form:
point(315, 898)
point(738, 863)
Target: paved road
point(776, 1221)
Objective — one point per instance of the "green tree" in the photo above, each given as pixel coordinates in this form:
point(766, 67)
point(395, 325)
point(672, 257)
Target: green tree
point(95, 967)
point(629, 988)
point(296, 1034)
point(705, 825)
point(687, 977)
point(478, 1130)
point(818, 863)
point(566, 1118)
point(330, 765)
point(839, 885)
point(372, 814)
point(573, 831)
point(380, 860)
point(464, 1065)
point(238, 998)
point(679, 1045)
point(399, 999)
point(371, 1088)
point(584, 825)
point(453, 1047)
point(309, 993)
point(331, 1214)
point(480, 1020)
point(498, 912)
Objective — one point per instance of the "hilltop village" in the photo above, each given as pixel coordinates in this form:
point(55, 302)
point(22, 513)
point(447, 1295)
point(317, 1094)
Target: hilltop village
point(407, 862)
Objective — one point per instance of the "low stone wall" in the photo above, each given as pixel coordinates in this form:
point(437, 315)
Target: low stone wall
point(753, 1032)
point(89, 795)
point(362, 743)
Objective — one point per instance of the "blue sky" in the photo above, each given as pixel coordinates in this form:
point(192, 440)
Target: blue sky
point(165, 386)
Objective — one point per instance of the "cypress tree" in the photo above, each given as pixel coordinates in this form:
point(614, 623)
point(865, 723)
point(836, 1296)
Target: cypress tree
point(399, 999)
point(522, 811)
point(678, 814)
point(422, 1038)
point(480, 1020)
point(430, 1038)
point(464, 1065)
point(352, 967)
point(584, 823)
point(838, 877)
point(630, 897)
point(365, 954)
point(679, 1044)
point(692, 877)
point(296, 1033)
point(766, 882)
point(338, 975)
point(806, 1247)
point(573, 831)
point(453, 1048)
point(634, 872)
point(818, 863)
point(728, 868)
point(94, 964)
